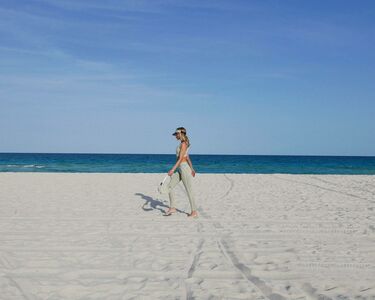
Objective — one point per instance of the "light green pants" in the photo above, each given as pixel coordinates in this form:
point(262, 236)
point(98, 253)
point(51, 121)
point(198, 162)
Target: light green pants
point(183, 173)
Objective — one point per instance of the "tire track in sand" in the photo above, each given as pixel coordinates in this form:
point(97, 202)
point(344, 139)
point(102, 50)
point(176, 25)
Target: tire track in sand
point(323, 188)
point(342, 186)
point(228, 252)
point(193, 266)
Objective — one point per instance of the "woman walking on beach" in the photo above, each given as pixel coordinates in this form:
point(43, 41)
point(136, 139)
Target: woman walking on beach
point(185, 172)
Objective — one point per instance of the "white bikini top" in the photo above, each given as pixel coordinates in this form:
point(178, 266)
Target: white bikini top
point(178, 150)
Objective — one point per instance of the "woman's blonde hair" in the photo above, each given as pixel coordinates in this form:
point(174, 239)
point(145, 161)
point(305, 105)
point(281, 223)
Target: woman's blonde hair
point(184, 137)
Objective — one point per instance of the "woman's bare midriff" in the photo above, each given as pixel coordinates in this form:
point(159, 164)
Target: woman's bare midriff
point(184, 159)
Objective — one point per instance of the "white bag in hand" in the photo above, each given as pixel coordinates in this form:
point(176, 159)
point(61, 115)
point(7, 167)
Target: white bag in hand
point(163, 186)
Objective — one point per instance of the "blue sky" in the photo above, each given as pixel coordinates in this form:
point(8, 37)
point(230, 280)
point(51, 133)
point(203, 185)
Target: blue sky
point(244, 77)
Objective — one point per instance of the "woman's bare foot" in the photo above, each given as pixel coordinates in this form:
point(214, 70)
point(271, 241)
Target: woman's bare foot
point(193, 214)
point(170, 211)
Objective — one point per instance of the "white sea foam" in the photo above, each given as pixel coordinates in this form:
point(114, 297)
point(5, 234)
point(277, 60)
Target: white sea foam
point(23, 166)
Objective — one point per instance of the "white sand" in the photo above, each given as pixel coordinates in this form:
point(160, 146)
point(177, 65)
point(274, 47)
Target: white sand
point(86, 236)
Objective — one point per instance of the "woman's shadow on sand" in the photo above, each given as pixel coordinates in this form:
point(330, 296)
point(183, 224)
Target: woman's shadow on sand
point(154, 204)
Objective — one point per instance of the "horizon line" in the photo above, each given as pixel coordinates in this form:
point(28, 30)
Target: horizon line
point(119, 153)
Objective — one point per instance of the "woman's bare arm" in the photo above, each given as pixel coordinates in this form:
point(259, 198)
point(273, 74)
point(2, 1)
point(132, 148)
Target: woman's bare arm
point(189, 162)
point(181, 156)
point(191, 165)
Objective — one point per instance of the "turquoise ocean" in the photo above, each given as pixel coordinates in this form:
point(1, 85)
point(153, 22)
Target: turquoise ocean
point(161, 163)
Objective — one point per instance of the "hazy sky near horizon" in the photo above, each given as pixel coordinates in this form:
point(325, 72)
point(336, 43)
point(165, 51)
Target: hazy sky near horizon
point(243, 76)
